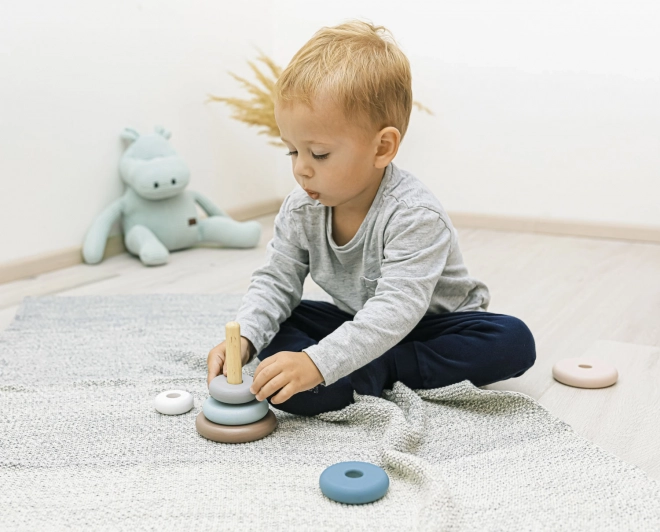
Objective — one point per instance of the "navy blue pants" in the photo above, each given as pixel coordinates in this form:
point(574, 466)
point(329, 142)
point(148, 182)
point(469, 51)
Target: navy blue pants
point(442, 349)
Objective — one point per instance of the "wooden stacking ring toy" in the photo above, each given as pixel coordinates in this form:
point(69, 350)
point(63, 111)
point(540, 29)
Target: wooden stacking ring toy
point(228, 414)
point(354, 482)
point(232, 414)
point(173, 402)
point(585, 372)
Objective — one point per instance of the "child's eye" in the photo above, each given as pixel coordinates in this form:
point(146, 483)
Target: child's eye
point(324, 156)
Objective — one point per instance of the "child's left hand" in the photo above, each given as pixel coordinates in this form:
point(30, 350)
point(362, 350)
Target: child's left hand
point(288, 371)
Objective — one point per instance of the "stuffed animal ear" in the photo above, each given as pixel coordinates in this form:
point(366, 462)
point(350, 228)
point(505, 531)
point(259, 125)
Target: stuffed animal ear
point(163, 132)
point(129, 134)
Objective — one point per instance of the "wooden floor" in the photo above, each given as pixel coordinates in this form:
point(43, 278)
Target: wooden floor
point(579, 296)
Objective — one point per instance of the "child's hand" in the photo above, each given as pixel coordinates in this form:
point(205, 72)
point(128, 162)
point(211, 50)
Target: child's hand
point(216, 358)
point(288, 371)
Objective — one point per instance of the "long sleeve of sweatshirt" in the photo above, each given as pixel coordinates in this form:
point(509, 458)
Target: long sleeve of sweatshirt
point(275, 288)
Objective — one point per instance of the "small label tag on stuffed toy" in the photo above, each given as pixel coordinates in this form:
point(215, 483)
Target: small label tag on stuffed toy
point(192, 221)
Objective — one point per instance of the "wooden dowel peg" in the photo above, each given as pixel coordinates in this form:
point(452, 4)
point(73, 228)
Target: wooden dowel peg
point(233, 353)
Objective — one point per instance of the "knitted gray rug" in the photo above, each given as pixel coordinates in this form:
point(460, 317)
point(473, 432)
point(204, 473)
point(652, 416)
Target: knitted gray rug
point(82, 447)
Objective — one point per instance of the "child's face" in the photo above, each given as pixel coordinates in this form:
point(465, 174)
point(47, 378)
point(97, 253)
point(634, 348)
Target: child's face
point(333, 159)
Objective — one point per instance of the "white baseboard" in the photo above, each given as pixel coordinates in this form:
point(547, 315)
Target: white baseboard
point(37, 265)
point(636, 233)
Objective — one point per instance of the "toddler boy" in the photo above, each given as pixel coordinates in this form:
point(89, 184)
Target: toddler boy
point(373, 237)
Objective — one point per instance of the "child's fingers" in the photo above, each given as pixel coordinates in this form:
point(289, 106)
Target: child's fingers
point(264, 364)
point(283, 395)
point(265, 372)
point(276, 383)
point(215, 364)
point(245, 355)
point(245, 350)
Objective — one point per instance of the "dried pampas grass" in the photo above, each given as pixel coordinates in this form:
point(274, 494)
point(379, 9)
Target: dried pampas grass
point(259, 110)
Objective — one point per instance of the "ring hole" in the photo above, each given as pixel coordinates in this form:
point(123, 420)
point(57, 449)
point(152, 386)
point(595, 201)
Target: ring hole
point(173, 395)
point(584, 366)
point(354, 473)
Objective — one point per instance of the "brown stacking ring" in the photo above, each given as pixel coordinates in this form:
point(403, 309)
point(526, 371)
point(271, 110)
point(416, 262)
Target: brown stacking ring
point(236, 433)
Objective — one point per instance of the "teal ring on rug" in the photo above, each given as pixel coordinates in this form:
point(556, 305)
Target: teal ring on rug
point(354, 482)
point(227, 414)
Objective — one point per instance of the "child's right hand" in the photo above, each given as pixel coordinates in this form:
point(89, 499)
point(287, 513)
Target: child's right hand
point(216, 358)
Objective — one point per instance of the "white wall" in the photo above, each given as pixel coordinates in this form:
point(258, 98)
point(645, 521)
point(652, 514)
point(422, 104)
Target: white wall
point(73, 74)
point(544, 109)
point(547, 109)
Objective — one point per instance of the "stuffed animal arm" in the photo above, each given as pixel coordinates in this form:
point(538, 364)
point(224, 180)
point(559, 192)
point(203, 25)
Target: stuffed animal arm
point(207, 205)
point(97, 235)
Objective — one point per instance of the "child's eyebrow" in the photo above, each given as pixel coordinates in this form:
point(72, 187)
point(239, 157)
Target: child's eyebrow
point(306, 141)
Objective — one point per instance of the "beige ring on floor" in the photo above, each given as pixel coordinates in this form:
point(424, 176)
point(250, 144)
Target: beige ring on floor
point(236, 433)
point(585, 372)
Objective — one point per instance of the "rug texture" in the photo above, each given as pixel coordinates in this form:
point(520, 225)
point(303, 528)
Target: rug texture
point(82, 447)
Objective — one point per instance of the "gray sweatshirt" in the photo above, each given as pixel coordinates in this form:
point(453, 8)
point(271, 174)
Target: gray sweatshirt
point(404, 262)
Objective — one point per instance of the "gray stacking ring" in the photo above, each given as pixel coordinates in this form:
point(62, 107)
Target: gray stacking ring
point(234, 394)
point(242, 414)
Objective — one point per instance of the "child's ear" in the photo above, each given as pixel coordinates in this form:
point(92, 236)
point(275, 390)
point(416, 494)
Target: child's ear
point(388, 146)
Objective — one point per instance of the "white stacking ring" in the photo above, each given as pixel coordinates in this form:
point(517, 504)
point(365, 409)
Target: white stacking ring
point(173, 402)
point(585, 372)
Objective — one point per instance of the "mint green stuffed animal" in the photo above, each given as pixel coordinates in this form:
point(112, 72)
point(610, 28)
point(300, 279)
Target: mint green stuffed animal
point(157, 214)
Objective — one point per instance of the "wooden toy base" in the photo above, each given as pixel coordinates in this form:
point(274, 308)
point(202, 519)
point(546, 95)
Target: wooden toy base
point(236, 433)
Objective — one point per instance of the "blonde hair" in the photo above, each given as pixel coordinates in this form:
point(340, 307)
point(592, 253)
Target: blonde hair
point(361, 67)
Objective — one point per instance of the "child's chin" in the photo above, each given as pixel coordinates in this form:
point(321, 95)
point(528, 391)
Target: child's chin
point(321, 200)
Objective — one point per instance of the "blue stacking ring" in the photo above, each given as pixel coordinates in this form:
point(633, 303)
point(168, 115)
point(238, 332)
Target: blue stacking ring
point(354, 482)
point(228, 414)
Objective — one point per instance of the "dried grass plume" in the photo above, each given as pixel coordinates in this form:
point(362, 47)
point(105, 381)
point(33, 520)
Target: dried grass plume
point(259, 110)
